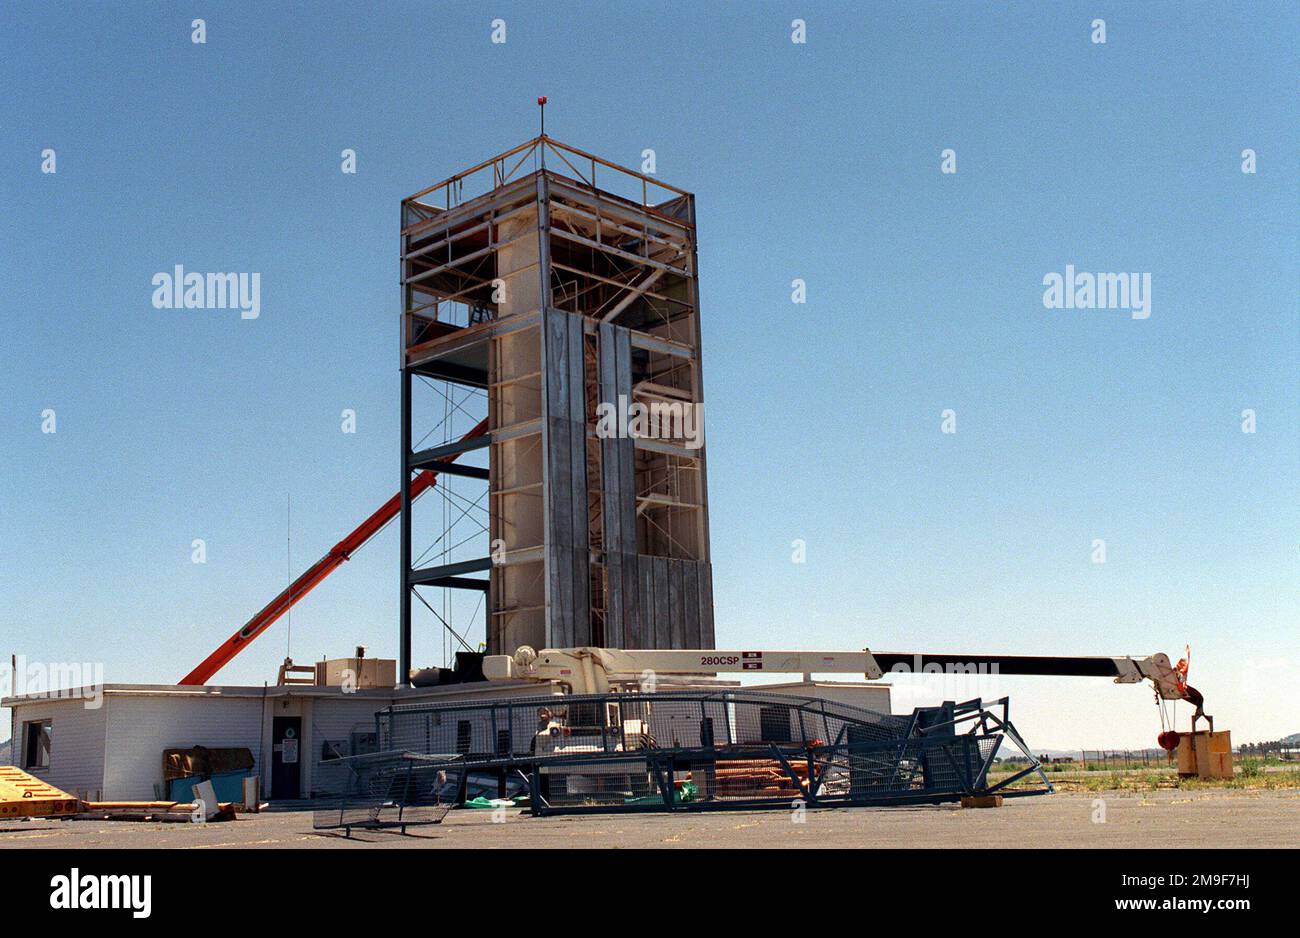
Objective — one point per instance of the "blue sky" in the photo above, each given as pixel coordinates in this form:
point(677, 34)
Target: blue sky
point(818, 161)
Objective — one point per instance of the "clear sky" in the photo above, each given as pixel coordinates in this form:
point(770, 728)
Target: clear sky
point(819, 161)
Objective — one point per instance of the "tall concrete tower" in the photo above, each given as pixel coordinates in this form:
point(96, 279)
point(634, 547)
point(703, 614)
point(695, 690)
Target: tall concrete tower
point(554, 295)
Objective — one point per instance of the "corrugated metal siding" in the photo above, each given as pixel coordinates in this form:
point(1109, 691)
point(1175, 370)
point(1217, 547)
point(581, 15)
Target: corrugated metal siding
point(76, 743)
point(568, 617)
point(618, 498)
point(676, 602)
point(140, 728)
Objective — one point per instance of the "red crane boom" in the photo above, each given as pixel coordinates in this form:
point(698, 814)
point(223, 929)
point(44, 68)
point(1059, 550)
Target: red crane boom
point(318, 571)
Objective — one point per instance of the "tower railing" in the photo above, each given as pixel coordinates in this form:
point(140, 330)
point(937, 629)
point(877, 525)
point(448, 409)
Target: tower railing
point(491, 174)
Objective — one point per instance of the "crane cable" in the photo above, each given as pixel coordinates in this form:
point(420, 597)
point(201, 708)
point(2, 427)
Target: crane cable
point(1169, 736)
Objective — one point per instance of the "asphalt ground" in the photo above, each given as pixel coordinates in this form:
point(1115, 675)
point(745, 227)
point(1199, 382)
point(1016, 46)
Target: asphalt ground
point(1159, 820)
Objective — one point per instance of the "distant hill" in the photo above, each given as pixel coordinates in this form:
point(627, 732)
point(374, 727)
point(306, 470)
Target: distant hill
point(6, 751)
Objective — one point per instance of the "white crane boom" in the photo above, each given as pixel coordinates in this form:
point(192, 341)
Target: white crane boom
point(596, 670)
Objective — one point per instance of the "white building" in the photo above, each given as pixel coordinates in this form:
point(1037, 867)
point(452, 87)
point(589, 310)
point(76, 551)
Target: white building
point(866, 695)
point(107, 744)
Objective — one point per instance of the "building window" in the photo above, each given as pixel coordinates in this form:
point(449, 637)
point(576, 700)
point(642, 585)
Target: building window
point(36, 744)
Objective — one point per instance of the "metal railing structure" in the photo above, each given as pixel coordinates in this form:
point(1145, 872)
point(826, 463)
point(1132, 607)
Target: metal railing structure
point(388, 790)
point(689, 750)
point(528, 157)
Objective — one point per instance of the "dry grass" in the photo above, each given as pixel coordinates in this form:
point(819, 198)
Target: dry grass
point(1250, 776)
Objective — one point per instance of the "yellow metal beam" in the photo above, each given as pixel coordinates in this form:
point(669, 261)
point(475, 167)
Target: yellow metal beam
point(23, 795)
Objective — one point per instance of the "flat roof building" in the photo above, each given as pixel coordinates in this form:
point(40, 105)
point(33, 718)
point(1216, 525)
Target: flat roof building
point(106, 743)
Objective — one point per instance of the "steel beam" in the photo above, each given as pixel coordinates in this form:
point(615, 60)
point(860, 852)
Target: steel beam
point(404, 626)
point(428, 576)
point(440, 466)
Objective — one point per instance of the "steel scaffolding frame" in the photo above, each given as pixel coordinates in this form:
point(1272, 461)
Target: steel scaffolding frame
point(541, 292)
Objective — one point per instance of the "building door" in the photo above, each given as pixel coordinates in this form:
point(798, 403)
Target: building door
point(286, 750)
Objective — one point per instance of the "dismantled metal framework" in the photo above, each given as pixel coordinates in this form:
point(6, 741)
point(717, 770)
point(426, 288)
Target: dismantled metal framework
point(387, 790)
point(693, 750)
point(541, 296)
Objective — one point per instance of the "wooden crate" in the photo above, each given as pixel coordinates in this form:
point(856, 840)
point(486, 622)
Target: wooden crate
point(1205, 755)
